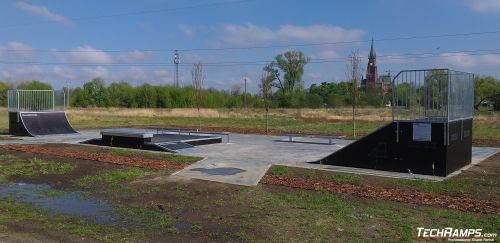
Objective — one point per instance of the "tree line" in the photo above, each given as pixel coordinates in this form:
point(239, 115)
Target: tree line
point(281, 86)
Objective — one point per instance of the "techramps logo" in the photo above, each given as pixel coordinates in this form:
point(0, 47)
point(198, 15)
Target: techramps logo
point(452, 234)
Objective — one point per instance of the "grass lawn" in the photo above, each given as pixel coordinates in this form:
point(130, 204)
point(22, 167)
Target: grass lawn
point(158, 209)
point(150, 206)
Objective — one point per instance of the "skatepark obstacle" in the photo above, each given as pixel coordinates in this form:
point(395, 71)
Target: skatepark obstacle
point(153, 139)
point(431, 131)
point(37, 112)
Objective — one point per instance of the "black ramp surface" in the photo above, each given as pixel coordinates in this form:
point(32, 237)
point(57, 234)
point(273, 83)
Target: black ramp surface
point(45, 123)
point(395, 148)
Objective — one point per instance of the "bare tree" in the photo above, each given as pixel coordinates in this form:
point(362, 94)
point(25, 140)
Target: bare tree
point(197, 76)
point(354, 75)
point(266, 92)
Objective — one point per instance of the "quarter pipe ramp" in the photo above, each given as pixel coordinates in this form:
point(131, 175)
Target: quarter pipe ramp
point(39, 123)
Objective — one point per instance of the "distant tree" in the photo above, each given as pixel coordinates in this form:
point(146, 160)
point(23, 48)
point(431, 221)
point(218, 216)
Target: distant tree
point(486, 88)
point(236, 90)
point(354, 75)
point(197, 78)
point(34, 85)
point(78, 98)
point(121, 94)
point(314, 101)
point(333, 94)
point(4, 87)
point(291, 64)
point(266, 92)
point(95, 93)
point(146, 96)
point(164, 98)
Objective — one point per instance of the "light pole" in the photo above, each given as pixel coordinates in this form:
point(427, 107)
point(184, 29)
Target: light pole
point(67, 90)
point(176, 62)
point(245, 93)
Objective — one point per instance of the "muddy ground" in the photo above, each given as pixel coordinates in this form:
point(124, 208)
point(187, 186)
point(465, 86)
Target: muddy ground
point(221, 212)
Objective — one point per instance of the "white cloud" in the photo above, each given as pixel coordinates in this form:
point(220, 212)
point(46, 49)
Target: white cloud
point(464, 60)
point(253, 34)
point(484, 6)
point(163, 76)
point(94, 72)
point(134, 56)
point(25, 72)
point(135, 73)
point(84, 54)
point(44, 12)
point(16, 49)
point(63, 73)
point(186, 30)
point(18, 46)
point(326, 54)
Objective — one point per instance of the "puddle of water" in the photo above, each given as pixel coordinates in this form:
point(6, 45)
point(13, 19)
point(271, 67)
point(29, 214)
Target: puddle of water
point(71, 203)
point(220, 171)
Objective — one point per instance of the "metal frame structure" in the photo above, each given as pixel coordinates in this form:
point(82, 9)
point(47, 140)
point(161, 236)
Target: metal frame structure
point(37, 112)
point(36, 100)
point(431, 132)
point(432, 95)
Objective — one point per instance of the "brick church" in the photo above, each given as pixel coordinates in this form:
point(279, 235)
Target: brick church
point(373, 81)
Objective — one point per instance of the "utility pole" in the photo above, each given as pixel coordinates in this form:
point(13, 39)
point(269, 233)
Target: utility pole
point(176, 62)
point(353, 73)
point(245, 93)
point(67, 91)
point(385, 88)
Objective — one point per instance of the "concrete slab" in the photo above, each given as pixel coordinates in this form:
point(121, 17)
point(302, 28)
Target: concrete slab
point(257, 153)
point(60, 138)
point(234, 173)
point(246, 159)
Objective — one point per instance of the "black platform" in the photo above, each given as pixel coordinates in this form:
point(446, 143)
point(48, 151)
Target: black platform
point(432, 148)
point(148, 140)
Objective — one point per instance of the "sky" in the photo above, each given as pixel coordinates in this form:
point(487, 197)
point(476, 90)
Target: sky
point(70, 42)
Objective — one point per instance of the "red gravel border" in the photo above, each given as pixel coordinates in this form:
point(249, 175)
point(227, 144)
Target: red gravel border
point(101, 157)
point(389, 194)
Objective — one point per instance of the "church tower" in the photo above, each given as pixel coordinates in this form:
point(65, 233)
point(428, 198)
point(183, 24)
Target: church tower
point(371, 70)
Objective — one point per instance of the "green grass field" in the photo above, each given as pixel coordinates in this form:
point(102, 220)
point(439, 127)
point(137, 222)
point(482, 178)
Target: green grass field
point(486, 127)
point(334, 121)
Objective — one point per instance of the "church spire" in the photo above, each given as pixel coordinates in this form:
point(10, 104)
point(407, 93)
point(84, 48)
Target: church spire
point(372, 52)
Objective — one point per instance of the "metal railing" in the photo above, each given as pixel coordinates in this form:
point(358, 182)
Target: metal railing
point(35, 100)
point(432, 95)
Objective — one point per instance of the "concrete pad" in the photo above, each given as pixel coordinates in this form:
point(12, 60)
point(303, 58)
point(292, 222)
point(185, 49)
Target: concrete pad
point(257, 153)
point(481, 153)
point(59, 138)
point(246, 159)
point(225, 172)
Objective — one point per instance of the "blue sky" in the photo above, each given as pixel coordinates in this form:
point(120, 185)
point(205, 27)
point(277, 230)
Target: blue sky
point(58, 41)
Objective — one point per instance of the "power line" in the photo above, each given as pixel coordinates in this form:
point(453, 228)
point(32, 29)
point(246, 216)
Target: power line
point(269, 46)
point(144, 12)
point(247, 63)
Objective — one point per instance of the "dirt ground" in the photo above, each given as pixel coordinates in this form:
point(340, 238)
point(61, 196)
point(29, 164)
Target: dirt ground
point(221, 212)
point(97, 156)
